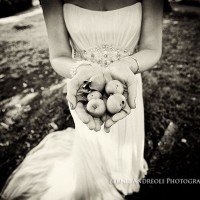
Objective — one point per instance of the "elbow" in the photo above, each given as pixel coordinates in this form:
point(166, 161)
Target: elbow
point(53, 62)
point(153, 50)
point(61, 65)
point(56, 60)
point(153, 56)
point(157, 55)
point(57, 64)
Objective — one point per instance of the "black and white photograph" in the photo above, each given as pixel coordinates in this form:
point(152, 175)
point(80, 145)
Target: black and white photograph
point(99, 99)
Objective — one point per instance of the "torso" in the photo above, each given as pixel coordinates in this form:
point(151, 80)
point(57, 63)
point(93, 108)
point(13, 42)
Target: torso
point(102, 5)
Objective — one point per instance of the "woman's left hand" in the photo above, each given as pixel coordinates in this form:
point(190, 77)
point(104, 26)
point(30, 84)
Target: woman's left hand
point(120, 70)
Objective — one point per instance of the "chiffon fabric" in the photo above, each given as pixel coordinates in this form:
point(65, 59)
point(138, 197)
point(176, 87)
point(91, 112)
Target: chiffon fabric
point(80, 163)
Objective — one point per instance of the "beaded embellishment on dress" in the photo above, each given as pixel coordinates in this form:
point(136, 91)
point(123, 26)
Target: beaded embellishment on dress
point(102, 55)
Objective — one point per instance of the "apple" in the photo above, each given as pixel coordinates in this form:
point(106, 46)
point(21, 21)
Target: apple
point(114, 87)
point(116, 103)
point(97, 82)
point(94, 95)
point(96, 107)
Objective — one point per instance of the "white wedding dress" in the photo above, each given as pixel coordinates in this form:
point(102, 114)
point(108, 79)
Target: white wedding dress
point(84, 164)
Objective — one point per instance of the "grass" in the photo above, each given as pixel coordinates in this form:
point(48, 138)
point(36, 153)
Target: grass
point(30, 109)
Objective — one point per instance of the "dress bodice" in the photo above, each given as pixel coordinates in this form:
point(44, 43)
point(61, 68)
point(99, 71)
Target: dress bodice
point(103, 36)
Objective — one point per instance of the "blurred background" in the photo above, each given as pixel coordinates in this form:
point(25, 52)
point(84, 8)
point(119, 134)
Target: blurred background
point(33, 105)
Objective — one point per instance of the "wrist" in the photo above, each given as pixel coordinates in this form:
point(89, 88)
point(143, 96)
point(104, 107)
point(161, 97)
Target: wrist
point(79, 66)
point(133, 64)
point(83, 67)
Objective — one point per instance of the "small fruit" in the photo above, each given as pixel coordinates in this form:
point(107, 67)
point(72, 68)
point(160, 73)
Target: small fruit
point(114, 87)
point(96, 107)
point(94, 95)
point(97, 82)
point(115, 103)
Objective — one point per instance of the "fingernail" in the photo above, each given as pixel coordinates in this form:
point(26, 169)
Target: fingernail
point(134, 105)
point(107, 130)
point(71, 106)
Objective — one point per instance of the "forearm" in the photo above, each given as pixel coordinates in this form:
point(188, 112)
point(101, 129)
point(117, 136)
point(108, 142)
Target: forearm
point(150, 43)
point(146, 59)
point(69, 67)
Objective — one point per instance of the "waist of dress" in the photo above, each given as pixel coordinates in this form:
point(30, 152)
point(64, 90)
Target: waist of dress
point(102, 55)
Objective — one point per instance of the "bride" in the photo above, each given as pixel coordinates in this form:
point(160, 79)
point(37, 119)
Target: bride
point(103, 157)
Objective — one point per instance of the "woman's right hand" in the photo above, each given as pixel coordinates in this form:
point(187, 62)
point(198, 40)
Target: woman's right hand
point(84, 73)
point(120, 70)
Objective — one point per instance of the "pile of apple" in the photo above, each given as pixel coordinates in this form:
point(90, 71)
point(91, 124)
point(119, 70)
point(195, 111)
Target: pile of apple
point(100, 97)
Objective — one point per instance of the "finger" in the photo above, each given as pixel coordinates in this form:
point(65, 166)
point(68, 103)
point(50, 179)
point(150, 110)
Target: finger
point(127, 109)
point(97, 124)
point(132, 90)
point(101, 122)
point(125, 93)
point(72, 88)
point(118, 116)
point(106, 129)
point(123, 113)
point(91, 123)
point(109, 122)
point(82, 114)
point(104, 117)
point(64, 90)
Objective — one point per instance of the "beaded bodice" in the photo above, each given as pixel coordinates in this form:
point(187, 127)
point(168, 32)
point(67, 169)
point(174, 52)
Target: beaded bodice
point(103, 36)
point(102, 55)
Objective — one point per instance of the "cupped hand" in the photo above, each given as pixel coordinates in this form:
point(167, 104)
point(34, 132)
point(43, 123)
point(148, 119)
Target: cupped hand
point(109, 119)
point(92, 123)
point(84, 73)
point(119, 70)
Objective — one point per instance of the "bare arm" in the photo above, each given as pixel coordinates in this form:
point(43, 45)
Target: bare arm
point(61, 59)
point(150, 46)
point(148, 55)
point(58, 38)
